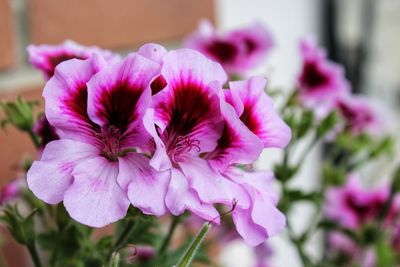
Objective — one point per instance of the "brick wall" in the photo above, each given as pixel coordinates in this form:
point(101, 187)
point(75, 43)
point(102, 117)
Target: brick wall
point(121, 25)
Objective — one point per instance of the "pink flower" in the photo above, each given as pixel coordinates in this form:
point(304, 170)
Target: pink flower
point(353, 206)
point(189, 123)
point(98, 111)
point(141, 253)
point(256, 110)
point(250, 124)
point(10, 191)
point(47, 57)
point(321, 82)
point(360, 115)
point(237, 51)
point(342, 247)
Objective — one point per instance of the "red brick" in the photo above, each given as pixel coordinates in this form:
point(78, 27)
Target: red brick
point(115, 24)
point(7, 52)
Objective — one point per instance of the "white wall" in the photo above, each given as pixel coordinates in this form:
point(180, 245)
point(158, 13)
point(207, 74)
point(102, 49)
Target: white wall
point(289, 21)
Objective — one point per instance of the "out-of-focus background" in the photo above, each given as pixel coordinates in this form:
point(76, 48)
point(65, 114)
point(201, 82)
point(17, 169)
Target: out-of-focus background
point(363, 35)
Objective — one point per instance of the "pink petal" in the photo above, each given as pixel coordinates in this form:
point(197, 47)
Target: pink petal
point(252, 233)
point(66, 98)
point(205, 181)
point(145, 186)
point(180, 197)
point(160, 160)
point(261, 219)
point(50, 177)
point(237, 145)
point(95, 198)
point(154, 52)
point(119, 95)
point(266, 215)
point(47, 57)
point(259, 114)
point(189, 106)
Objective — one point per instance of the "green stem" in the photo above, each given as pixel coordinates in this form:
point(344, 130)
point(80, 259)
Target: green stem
point(34, 138)
point(191, 251)
point(308, 150)
point(114, 261)
point(172, 227)
point(299, 247)
point(121, 241)
point(34, 254)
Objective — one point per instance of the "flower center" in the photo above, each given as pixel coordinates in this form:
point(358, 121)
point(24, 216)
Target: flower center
point(180, 145)
point(312, 76)
point(110, 141)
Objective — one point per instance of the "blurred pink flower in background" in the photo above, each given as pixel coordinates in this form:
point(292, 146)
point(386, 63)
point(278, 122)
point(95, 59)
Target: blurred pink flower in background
point(238, 51)
point(353, 206)
point(361, 115)
point(342, 246)
point(321, 82)
point(10, 191)
point(47, 57)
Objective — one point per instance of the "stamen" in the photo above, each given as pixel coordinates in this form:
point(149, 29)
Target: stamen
point(110, 140)
point(181, 145)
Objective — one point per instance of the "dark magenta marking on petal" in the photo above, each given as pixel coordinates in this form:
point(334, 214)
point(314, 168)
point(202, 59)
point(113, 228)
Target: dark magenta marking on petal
point(119, 105)
point(189, 107)
point(54, 60)
point(76, 103)
point(354, 117)
point(249, 119)
point(312, 76)
point(158, 84)
point(251, 46)
point(187, 110)
point(223, 51)
point(365, 211)
point(227, 140)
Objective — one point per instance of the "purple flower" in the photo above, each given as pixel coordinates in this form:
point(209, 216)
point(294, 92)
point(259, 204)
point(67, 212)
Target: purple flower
point(353, 206)
point(321, 82)
point(10, 191)
point(98, 111)
point(47, 57)
point(360, 115)
point(237, 51)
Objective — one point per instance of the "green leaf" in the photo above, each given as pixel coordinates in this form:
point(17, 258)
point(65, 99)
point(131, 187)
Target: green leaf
point(305, 124)
point(18, 113)
point(21, 228)
point(385, 255)
point(327, 124)
point(295, 195)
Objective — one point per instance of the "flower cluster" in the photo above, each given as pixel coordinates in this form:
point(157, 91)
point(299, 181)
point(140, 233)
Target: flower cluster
point(322, 86)
point(158, 131)
point(356, 208)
